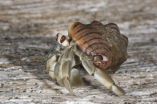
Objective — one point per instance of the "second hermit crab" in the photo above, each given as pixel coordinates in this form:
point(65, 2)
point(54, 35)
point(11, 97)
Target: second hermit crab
point(98, 48)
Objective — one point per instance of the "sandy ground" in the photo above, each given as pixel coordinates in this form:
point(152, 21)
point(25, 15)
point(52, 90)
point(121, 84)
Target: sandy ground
point(27, 30)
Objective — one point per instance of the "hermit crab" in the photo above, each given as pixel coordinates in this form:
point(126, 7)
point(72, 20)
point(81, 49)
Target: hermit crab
point(99, 48)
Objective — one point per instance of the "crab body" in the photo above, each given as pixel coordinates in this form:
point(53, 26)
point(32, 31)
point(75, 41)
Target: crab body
point(99, 48)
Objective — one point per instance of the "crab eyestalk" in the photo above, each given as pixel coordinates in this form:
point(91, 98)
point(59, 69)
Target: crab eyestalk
point(63, 40)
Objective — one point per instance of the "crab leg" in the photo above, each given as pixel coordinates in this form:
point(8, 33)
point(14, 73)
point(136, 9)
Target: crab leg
point(63, 69)
point(60, 68)
point(107, 81)
point(65, 74)
point(100, 75)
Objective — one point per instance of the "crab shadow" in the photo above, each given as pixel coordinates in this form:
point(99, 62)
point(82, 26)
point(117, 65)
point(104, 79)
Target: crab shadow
point(30, 53)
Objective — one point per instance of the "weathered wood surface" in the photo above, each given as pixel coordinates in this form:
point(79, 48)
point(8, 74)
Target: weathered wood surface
point(27, 28)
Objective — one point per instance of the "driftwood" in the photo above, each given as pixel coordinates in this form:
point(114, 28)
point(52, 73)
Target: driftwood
point(27, 30)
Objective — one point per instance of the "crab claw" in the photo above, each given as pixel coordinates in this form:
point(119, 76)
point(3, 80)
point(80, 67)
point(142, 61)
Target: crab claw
point(61, 68)
point(50, 66)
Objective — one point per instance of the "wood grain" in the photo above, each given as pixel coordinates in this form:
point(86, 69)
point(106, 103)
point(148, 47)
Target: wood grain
point(27, 30)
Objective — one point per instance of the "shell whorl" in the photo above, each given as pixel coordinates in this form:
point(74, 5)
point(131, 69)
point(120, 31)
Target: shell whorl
point(88, 39)
point(103, 40)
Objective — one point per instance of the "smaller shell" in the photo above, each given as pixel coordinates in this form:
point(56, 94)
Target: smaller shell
point(96, 39)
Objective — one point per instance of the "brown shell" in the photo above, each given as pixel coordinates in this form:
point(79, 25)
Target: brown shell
point(98, 39)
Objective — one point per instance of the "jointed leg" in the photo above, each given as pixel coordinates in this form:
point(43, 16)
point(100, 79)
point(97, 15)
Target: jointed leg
point(60, 68)
point(107, 81)
point(100, 75)
point(66, 75)
point(63, 68)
